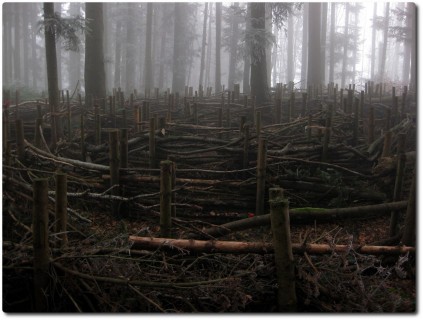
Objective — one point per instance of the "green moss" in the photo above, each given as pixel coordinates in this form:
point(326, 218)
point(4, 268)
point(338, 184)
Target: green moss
point(308, 210)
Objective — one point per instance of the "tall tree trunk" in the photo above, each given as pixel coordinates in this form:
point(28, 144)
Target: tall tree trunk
point(51, 59)
point(107, 45)
point(385, 43)
point(162, 45)
point(259, 87)
point(148, 71)
point(407, 47)
point(314, 28)
point(346, 41)
point(58, 9)
point(179, 50)
point(209, 49)
point(17, 42)
point(75, 57)
point(118, 53)
point(247, 56)
point(356, 35)
point(290, 60)
point(217, 78)
point(203, 45)
point(268, 27)
point(323, 41)
point(95, 78)
point(332, 42)
point(234, 47)
point(7, 43)
point(304, 46)
point(275, 56)
point(413, 70)
point(373, 56)
point(26, 42)
point(130, 48)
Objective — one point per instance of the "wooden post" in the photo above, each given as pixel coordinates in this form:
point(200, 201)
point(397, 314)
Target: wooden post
point(38, 128)
point(403, 100)
point(310, 121)
point(16, 104)
point(278, 111)
point(173, 186)
point(387, 144)
point(258, 123)
point(69, 115)
point(220, 120)
point(261, 175)
point(350, 98)
point(245, 101)
point(124, 148)
point(61, 210)
point(326, 139)
point(40, 243)
point(152, 144)
point(114, 168)
point(291, 106)
point(97, 129)
point(304, 104)
point(83, 150)
point(371, 125)
point(393, 226)
point(409, 233)
point(20, 139)
point(245, 160)
point(361, 104)
point(356, 115)
point(284, 259)
point(166, 168)
point(394, 111)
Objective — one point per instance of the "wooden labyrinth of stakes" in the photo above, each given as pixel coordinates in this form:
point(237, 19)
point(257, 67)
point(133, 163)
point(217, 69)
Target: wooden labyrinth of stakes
point(185, 164)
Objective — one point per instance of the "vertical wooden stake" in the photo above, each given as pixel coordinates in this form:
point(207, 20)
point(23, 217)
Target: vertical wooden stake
point(304, 104)
point(393, 226)
point(241, 125)
point(152, 144)
point(278, 111)
point(284, 259)
point(38, 128)
point(387, 144)
point(69, 115)
point(371, 125)
point(356, 115)
point(20, 138)
point(326, 139)
point(165, 198)
point(114, 168)
point(361, 104)
point(261, 175)
point(97, 129)
point(173, 186)
point(258, 123)
point(61, 210)
point(220, 120)
point(40, 243)
point(245, 160)
point(195, 113)
point(83, 151)
point(409, 233)
point(124, 148)
point(310, 121)
point(291, 106)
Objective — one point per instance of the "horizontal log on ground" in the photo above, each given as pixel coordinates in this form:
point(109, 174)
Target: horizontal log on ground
point(302, 215)
point(236, 247)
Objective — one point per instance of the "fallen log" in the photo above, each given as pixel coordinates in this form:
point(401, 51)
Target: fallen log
point(238, 247)
point(301, 215)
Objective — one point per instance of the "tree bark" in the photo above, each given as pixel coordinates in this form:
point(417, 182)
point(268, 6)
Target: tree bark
point(373, 56)
point(235, 247)
point(290, 64)
point(179, 52)
point(385, 44)
point(203, 45)
point(345, 49)
point(130, 47)
point(95, 76)
point(323, 42)
point(217, 77)
point(332, 42)
point(304, 47)
point(148, 71)
point(233, 49)
point(314, 27)
point(259, 86)
point(247, 56)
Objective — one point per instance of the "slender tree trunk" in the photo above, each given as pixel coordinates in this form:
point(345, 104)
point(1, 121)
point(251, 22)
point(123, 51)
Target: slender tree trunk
point(217, 78)
point(209, 49)
point(407, 47)
point(385, 44)
point(58, 10)
point(75, 57)
point(51, 59)
point(247, 56)
point(162, 45)
point(332, 42)
point(290, 60)
point(373, 57)
point(323, 41)
point(268, 27)
point(130, 48)
point(118, 52)
point(7, 43)
point(17, 42)
point(259, 87)
point(413, 73)
point(179, 50)
point(95, 77)
point(148, 71)
point(233, 50)
point(203, 45)
point(314, 28)
point(304, 47)
point(356, 12)
point(275, 56)
point(345, 54)
point(26, 42)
